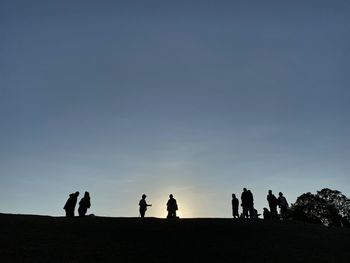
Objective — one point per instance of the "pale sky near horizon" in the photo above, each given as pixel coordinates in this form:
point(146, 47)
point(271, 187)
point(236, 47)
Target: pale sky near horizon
point(194, 98)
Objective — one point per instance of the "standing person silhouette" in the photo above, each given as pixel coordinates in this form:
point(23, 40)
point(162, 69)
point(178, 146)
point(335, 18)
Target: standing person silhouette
point(70, 204)
point(283, 205)
point(272, 200)
point(250, 204)
point(84, 204)
point(171, 207)
point(143, 206)
point(235, 204)
point(244, 202)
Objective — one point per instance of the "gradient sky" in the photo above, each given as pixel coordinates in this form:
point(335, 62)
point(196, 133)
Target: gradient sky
point(194, 98)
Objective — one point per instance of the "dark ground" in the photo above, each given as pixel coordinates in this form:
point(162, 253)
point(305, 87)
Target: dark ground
point(100, 239)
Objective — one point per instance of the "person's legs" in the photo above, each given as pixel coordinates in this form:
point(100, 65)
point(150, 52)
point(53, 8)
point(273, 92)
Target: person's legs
point(251, 211)
point(142, 213)
point(284, 212)
point(245, 212)
point(69, 213)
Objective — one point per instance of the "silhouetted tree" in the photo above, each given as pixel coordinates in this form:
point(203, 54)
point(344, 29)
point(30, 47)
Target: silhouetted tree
point(309, 208)
point(327, 207)
point(340, 202)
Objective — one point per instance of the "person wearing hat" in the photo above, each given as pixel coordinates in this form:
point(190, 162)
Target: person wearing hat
point(143, 206)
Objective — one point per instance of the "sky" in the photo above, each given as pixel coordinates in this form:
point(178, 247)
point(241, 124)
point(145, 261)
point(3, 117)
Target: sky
point(194, 98)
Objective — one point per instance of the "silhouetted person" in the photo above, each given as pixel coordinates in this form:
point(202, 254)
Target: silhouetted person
point(254, 213)
point(171, 207)
point(70, 204)
point(283, 205)
point(266, 213)
point(244, 203)
point(84, 204)
point(250, 204)
point(143, 205)
point(235, 204)
point(272, 200)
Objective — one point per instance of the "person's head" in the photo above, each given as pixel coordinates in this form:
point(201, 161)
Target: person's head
point(170, 196)
point(244, 189)
point(144, 196)
point(87, 194)
point(233, 196)
point(270, 192)
point(280, 194)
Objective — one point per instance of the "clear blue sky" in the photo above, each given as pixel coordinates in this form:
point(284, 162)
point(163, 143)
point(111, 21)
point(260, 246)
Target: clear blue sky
point(194, 98)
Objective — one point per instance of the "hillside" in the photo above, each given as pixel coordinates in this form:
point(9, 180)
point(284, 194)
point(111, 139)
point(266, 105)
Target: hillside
point(26, 238)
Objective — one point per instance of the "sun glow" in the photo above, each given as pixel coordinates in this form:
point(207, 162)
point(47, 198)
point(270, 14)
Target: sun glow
point(184, 203)
point(161, 212)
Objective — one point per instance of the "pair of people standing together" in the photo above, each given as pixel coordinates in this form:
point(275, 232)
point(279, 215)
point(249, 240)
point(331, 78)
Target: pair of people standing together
point(171, 206)
point(84, 204)
point(281, 202)
point(247, 204)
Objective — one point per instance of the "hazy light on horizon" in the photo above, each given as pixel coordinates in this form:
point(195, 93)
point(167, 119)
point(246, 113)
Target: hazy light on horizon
point(195, 99)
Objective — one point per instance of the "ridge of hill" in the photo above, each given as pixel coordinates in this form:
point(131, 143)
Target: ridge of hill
point(30, 238)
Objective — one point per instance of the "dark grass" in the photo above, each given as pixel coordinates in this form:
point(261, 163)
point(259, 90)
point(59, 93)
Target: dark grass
point(27, 238)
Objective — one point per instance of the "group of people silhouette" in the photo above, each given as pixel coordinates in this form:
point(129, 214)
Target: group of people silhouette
point(247, 203)
point(84, 204)
point(248, 210)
